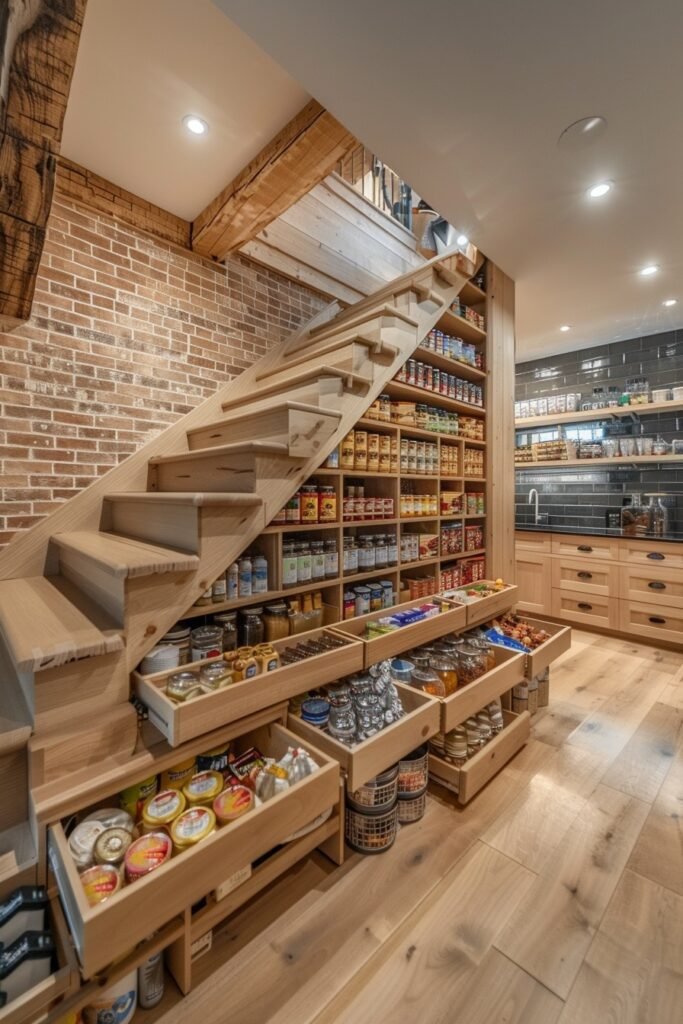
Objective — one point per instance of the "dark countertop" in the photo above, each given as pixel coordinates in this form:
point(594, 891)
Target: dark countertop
point(593, 532)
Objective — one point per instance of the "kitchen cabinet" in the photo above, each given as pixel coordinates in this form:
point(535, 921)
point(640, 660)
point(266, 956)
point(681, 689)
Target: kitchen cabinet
point(533, 582)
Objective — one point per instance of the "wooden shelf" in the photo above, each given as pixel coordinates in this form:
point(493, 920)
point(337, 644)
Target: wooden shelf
point(459, 327)
point(419, 476)
point(454, 366)
point(420, 564)
point(463, 554)
point(428, 435)
point(357, 577)
point(370, 522)
point(364, 473)
point(365, 423)
point(196, 611)
point(301, 527)
point(472, 295)
point(617, 460)
point(409, 393)
point(474, 479)
point(582, 415)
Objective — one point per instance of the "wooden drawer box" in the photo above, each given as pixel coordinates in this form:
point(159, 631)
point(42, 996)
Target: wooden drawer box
point(590, 609)
point(182, 722)
point(573, 574)
point(643, 619)
point(662, 587)
point(480, 769)
point(537, 661)
point(472, 698)
point(372, 756)
point(594, 548)
point(537, 543)
point(107, 931)
point(481, 609)
point(389, 645)
point(653, 553)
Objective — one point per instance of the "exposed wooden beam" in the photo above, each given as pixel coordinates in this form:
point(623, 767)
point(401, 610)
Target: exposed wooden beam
point(38, 45)
point(299, 156)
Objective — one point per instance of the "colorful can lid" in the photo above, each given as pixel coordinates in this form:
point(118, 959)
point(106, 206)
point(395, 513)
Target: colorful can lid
point(163, 808)
point(147, 853)
point(203, 787)
point(193, 826)
point(233, 802)
point(111, 846)
point(100, 883)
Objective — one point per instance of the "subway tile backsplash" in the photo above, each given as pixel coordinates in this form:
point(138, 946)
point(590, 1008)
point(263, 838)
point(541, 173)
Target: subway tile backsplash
point(581, 497)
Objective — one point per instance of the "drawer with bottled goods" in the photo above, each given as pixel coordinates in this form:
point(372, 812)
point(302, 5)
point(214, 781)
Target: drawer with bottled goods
point(369, 757)
point(387, 633)
point(264, 793)
point(484, 599)
point(481, 678)
point(468, 779)
point(198, 697)
point(651, 584)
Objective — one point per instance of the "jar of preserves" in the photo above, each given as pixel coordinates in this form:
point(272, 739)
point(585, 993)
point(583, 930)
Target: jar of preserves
point(317, 560)
point(293, 509)
point(206, 642)
point(275, 621)
point(486, 650)
point(446, 670)
point(309, 503)
point(331, 559)
point(327, 504)
point(228, 623)
point(424, 678)
point(252, 628)
point(470, 665)
point(290, 570)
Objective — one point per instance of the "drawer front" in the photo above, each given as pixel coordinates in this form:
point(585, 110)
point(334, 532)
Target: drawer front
point(452, 618)
point(487, 762)
point(560, 641)
point(533, 581)
point(589, 609)
point(484, 608)
point(105, 932)
point(575, 574)
point(467, 701)
point(641, 619)
point(539, 543)
point(653, 553)
point(592, 548)
point(652, 585)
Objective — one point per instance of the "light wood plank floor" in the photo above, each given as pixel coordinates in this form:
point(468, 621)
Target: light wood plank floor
point(555, 897)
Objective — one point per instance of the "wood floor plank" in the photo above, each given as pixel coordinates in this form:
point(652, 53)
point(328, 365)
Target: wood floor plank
point(633, 972)
point(643, 764)
point(440, 949)
point(553, 927)
point(534, 825)
point(658, 853)
point(501, 993)
point(558, 721)
point(672, 693)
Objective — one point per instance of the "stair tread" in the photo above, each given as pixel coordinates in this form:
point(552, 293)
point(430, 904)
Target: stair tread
point(124, 556)
point(294, 406)
point(351, 316)
point(238, 448)
point(15, 718)
point(44, 628)
point(199, 499)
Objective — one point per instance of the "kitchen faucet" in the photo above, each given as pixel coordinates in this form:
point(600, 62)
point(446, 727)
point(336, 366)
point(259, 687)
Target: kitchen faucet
point(533, 498)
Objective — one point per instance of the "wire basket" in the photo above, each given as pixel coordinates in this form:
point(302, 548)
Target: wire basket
point(412, 808)
point(371, 833)
point(377, 795)
point(413, 773)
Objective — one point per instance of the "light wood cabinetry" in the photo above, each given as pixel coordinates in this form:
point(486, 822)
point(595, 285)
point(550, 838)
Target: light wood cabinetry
point(617, 584)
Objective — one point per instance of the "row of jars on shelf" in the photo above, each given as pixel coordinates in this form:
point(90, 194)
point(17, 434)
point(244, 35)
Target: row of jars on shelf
point(460, 744)
point(454, 348)
point(448, 385)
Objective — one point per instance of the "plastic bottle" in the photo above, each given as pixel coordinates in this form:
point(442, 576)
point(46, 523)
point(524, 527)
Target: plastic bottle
point(260, 575)
point(232, 577)
point(245, 577)
point(151, 981)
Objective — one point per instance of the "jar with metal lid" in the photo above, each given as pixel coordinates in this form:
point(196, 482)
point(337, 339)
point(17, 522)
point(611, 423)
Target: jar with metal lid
point(275, 621)
point(111, 846)
point(445, 668)
point(228, 623)
point(317, 560)
point(424, 678)
point(214, 676)
point(290, 572)
point(331, 559)
point(191, 827)
point(206, 642)
point(486, 650)
point(303, 561)
point(252, 630)
point(293, 509)
point(327, 504)
point(470, 665)
point(182, 686)
point(309, 503)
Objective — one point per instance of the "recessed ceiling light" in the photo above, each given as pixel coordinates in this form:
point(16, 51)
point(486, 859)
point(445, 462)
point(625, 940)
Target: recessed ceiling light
point(565, 327)
point(462, 240)
point(600, 190)
point(670, 302)
point(582, 133)
point(649, 270)
point(195, 125)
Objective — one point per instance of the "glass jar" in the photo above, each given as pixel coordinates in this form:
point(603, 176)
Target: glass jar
point(317, 560)
point(179, 637)
point(290, 574)
point(486, 650)
point(402, 670)
point(473, 736)
point(293, 509)
point(275, 621)
point(309, 503)
point(327, 504)
point(303, 562)
point(455, 746)
point(252, 628)
point(341, 724)
point(424, 678)
point(446, 670)
point(470, 665)
point(228, 623)
point(206, 642)
point(331, 560)
point(380, 551)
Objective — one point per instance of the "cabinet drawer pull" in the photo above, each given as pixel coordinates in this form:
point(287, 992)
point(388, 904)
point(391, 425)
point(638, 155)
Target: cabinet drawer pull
point(657, 586)
point(585, 607)
point(585, 547)
point(585, 575)
point(657, 620)
point(656, 556)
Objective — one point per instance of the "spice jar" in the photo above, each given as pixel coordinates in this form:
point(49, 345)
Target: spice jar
point(228, 623)
point(206, 642)
point(327, 504)
point(275, 621)
point(214, 676)
point(252, 629)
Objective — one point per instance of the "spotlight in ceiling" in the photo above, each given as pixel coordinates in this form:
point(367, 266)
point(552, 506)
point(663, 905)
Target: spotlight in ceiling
point(582, 132)
point(462, 240)
point(565, 327)
point(195, 125)
point(670, 302)
point(649, 270)
point(600, 190)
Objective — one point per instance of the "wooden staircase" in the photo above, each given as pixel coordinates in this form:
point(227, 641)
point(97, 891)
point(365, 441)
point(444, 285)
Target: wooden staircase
point(88, 591)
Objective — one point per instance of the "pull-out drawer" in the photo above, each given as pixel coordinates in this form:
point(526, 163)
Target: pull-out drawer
point(487, 762)
point(589, 609)
point(656, 554)
point(542, 656)
point(480, 609)
point(641, 619)
point(105, 932)
point(574, 574)
point(593, 548)
point(538, 543)
point(367, 759)
point(474, 696)
point(662, 587)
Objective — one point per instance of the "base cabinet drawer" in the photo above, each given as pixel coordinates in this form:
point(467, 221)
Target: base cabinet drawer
point(589, 609)
point(588, 548)
point(642, 619)
point(662, 587)
point(537, 543)
point(596, 578)
point(657, 554)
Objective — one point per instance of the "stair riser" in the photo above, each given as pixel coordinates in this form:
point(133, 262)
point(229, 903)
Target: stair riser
point(100, 586)
point(218, 473)
point(174, 525)
point(368, 330)
point(326, 392)
point(84, 742)
point(353, 357)
point(303, 432)
point(94, 684)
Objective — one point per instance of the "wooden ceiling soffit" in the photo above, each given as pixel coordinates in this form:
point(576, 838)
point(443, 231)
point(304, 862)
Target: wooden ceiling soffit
point(38, 45)
point(301, 154)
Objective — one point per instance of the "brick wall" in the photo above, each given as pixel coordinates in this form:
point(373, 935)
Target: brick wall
point(128, 333)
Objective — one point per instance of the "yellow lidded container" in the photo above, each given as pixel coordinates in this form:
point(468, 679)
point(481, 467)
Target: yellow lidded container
point(162, 809)
point(176, 777)
point(134, 797)
point(203, 788)
point(191, 827)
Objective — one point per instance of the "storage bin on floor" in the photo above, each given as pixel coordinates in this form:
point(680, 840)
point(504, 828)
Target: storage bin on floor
point(413, 773)
point(411, 808)
point(371, 833)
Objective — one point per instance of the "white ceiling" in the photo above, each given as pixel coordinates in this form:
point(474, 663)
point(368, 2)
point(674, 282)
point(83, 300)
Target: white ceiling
point(467, 100)
point(142, 66)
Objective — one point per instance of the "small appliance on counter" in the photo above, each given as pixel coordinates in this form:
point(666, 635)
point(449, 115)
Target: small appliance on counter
point(651, 519)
